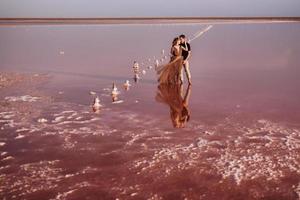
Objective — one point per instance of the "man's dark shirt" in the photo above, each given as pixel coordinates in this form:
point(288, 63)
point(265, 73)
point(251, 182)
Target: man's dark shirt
point(185, 53)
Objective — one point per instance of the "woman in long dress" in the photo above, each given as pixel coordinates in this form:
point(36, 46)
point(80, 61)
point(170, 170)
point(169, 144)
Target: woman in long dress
point(170, 73)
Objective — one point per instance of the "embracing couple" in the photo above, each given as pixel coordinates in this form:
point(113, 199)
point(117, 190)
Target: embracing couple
point(171, 73)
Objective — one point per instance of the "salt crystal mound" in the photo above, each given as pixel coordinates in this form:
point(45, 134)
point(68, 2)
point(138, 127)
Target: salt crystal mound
point(26, 98)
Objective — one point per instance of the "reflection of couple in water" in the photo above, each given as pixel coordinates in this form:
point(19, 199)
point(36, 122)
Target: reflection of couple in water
point(172, 94)
point(172, 72)
point(170, 89)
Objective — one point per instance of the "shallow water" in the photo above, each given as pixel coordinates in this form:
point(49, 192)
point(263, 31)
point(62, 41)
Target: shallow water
point(242, 140)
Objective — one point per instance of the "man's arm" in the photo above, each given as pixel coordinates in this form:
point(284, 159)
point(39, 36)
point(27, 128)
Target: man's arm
point(189, 53)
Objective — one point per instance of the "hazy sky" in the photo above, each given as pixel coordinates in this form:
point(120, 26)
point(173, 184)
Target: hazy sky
point(133, 8)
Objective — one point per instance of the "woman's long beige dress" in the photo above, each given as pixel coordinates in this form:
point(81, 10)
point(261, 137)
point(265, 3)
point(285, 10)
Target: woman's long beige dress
point(170, 73)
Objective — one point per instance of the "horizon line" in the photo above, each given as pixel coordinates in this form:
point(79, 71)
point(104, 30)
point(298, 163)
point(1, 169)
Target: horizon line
point(141, 20)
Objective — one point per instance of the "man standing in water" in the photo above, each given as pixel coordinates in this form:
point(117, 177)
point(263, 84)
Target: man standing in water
point(186, 53)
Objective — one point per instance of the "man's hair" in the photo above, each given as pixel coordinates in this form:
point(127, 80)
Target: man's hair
point(182, 36)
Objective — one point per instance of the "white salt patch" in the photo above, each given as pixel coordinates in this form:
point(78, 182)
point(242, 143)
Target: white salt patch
point(106, 89)
point(9, 123)
point(69, 175)
point(3, 114)
point(50, 133)
point(8, 158)
point(79, 122)
point(22, 130)
point(4, 167)
point(262, 121)
point(8, 116)
point(34, 129)
point(68, 111)
point(42, 120)
point(201, 142)
point(117, 102)
point(89, 169)
point(26, 98)
point(64, 195)
point(19, 136)
point(83, 184)
point(58, 119)
point(135, 137)
point(2, 144)
point(4, 153)
point(63, 112)
point(159, 138)
point(133, 194)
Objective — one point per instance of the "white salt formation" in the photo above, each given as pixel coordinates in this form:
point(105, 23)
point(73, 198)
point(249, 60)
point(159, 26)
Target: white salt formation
point(92, 93)
point(97, 106)
point(42, 120)
point(126, 85)
point(115, 90)
point(117, 102)
point(114, 93)
point(156, 63)
point(144, 72)
point(27, 98)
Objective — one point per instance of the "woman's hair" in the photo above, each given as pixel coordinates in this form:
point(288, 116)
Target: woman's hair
point(175, 41)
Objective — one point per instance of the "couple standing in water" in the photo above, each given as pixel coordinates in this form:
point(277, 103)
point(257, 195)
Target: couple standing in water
point(171, 73)
point(170, 89)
